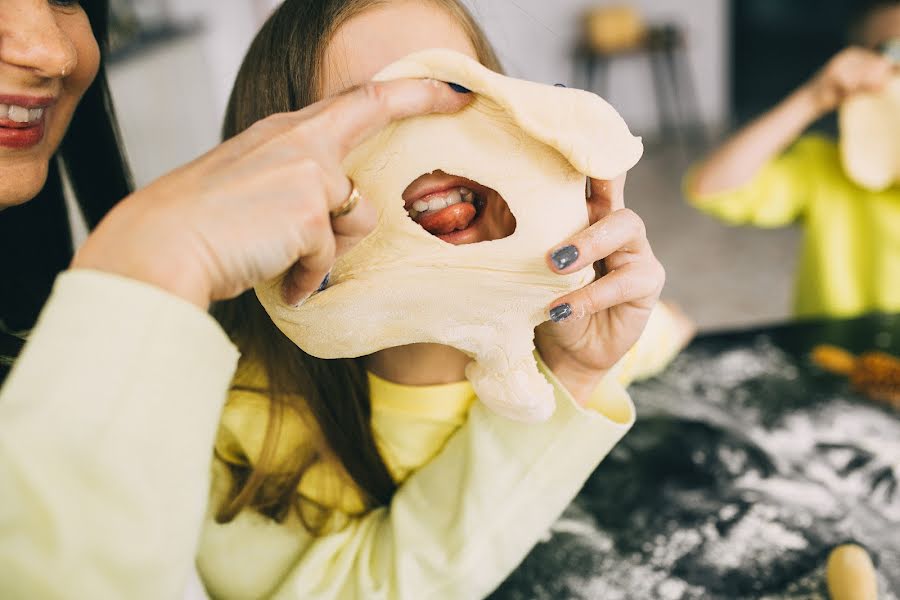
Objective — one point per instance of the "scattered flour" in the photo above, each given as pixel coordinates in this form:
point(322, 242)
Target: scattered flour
point(829, 464)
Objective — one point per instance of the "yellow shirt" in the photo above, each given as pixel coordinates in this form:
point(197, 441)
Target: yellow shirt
point(107, 424)
point(412, 425)
point(850, 258)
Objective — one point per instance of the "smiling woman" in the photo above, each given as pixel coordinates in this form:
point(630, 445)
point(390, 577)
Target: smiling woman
point(55, 115)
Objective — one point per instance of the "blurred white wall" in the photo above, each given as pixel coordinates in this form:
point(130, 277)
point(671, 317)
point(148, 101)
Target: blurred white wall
point(535, 40)
point(166, 105)
point(229, 27)
point(171, 98)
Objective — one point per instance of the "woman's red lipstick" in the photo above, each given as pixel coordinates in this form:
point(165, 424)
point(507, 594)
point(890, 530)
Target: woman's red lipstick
point(19, 136)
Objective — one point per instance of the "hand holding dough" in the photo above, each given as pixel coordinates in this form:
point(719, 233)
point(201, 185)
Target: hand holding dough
point(535, 145)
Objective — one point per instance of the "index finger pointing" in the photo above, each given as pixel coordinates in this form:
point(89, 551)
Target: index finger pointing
point(362, 112)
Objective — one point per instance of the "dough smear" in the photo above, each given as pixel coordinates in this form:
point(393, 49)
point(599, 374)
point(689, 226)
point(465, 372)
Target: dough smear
point(870, 137)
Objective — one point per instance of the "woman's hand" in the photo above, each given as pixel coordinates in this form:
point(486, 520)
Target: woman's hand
point(592, 328)
point(851, 71)
point(259, 204)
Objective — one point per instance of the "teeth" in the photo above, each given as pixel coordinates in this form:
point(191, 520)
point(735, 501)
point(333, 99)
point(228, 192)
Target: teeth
point(20, 114)
point(449, 198)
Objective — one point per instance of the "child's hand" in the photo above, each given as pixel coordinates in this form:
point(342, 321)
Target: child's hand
point(596, 325)
point(851, 71)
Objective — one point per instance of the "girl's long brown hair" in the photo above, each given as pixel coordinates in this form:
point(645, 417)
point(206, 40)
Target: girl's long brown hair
point(281, 73)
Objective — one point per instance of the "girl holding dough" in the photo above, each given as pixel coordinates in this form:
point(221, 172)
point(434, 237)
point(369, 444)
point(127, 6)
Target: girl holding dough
point(377, 477)
point(850, 261)
point(381, 476)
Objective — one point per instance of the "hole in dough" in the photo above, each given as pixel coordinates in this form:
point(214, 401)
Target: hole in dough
point(458, 210)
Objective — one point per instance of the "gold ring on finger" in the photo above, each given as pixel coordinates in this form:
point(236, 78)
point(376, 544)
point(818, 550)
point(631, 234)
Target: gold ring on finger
point(348, 205)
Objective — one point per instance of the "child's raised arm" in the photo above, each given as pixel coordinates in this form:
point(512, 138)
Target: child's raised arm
point(735, 163)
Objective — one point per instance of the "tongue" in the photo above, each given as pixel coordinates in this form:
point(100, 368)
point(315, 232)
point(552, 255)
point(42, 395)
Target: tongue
point(447, 220)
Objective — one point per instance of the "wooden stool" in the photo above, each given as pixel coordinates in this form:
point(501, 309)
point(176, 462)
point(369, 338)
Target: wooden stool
point(666, 51)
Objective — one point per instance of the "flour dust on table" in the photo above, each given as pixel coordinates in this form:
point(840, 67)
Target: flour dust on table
point(746, 467)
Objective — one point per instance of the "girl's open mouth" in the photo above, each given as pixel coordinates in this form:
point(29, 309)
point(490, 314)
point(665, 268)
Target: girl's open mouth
point(453, 208)
point(447, 211)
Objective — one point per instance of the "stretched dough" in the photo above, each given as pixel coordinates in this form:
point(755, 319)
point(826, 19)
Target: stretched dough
point(870, 137)
point(534, 144)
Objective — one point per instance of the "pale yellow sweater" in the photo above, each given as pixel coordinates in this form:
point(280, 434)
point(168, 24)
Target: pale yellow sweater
point(107, 425)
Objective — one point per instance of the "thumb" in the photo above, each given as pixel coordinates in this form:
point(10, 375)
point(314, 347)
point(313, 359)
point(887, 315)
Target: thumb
point(606, 197)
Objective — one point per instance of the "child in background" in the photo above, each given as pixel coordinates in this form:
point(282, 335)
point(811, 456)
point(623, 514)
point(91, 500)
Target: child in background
point(850, 261)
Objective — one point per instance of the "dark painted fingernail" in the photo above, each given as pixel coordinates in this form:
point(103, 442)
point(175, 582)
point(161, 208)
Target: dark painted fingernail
point(560, 313)
point(458, 88)
point(564, 257)
point(559, 85)
point(324, 282)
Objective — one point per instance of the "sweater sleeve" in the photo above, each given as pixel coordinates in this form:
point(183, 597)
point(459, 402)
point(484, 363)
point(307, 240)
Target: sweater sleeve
point(667, 333)
point(455, 529)
point(776, 196)
point(106, 427)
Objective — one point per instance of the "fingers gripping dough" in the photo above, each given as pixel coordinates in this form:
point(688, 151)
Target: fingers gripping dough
point(870, 137)
point(534, 144)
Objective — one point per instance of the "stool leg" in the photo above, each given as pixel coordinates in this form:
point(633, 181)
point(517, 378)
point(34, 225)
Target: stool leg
point(577, 69)
point(685, 74)
point(603, 87)
point(659, 85)
point(589, 67)
point(678, 112)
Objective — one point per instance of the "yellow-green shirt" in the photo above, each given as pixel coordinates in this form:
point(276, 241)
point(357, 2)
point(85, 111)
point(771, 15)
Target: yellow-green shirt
point(461, 485)
point(850, 258)
point(107, 425)
point(410, 423)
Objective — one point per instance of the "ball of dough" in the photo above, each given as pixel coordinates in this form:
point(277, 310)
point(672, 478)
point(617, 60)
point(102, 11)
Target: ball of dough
point(850, 574)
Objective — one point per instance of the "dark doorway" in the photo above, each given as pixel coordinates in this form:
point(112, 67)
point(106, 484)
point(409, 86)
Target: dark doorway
point(778, 44)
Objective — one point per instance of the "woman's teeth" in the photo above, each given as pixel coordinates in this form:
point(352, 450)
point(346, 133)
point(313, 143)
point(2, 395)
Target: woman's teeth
point(441, 201)
point(20, 114)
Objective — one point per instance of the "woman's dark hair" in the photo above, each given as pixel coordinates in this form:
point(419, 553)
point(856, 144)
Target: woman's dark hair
point(35, 237)
point(860, 14)
point(282, 73)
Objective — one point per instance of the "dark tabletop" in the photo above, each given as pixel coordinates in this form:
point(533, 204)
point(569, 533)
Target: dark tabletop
point(746, 466)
